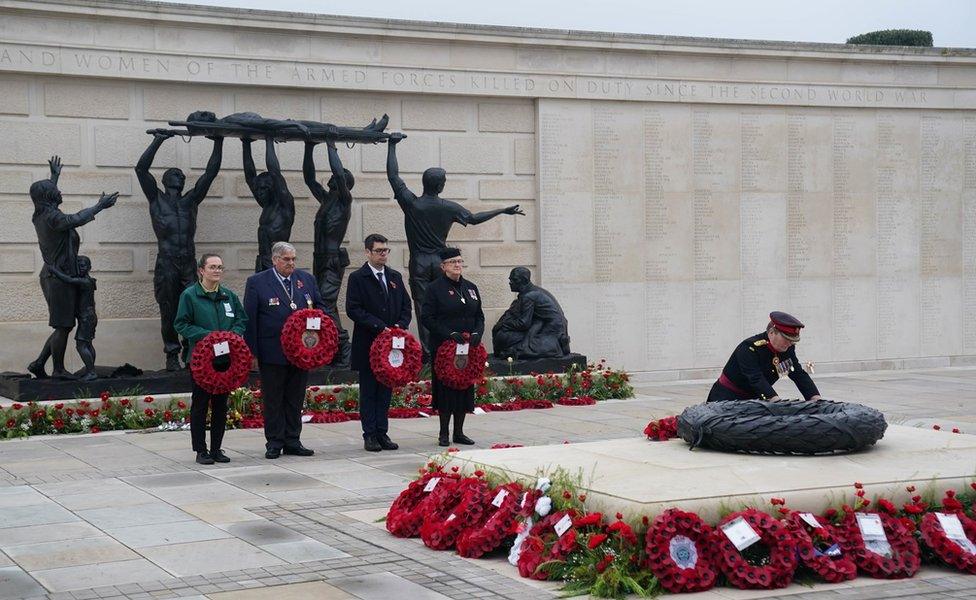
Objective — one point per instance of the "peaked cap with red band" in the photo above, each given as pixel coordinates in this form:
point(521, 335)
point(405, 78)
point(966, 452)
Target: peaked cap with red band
point(786, 324)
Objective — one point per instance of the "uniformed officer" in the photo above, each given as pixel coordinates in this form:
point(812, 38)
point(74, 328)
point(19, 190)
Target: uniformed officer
point(759, 361)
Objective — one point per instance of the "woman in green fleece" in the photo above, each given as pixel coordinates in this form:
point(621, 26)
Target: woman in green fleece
point(206, 306)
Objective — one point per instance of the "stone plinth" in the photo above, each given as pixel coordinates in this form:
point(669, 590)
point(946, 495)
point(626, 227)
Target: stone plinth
point(501, 366)
point(640, 477)
point(17, 386)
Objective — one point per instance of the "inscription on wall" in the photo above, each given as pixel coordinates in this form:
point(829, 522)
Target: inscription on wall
point(702, 219)
point(89, 62)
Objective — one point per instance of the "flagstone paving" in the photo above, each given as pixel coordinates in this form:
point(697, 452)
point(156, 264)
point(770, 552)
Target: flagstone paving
point(130, 515)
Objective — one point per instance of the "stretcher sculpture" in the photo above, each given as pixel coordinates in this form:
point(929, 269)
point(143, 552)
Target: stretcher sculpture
point(248, 125)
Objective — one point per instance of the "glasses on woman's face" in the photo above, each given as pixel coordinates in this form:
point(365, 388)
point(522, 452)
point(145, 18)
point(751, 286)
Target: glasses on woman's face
point(455, 261)
point(380, 251)
point(216, 268)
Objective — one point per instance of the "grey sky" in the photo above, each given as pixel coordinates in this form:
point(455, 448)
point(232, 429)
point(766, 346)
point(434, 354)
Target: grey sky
point(952, 22)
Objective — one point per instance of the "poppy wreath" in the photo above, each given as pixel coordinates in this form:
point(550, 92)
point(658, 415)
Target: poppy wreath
point(406, 514)
point(212, 380)
point(453, 512)
point(497, 523)
point(379, 358)
point(293, 336)
point(543, 545)
point(949, 551)
point(906, 556)
point(576, 401)
point(828, 568)
point(453, 377)
point(776, 570)
point(673, 534)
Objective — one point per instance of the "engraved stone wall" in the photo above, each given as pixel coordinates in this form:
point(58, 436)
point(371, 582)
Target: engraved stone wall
point(675, 189)
point(692, 222)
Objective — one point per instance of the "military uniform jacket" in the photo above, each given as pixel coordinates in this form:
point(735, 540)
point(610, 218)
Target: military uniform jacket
point(443, 311)
point(754, 367)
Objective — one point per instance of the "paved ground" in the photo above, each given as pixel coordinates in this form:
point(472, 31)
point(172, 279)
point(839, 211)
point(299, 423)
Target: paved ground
point(130, 515)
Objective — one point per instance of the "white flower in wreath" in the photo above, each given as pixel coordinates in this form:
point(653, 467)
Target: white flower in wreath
point(543, 484)
point(543, 505)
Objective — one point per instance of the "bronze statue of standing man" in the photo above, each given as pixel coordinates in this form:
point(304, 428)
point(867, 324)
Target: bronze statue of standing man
point(174, 220)
point(330, 259)
point(59, 242)
point(428, 219)
point(277, 204)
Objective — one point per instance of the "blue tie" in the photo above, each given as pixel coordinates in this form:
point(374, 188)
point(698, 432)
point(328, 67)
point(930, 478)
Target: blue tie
point(379, 276)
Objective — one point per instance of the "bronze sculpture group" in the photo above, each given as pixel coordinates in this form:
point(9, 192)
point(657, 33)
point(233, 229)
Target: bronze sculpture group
point(533, 327)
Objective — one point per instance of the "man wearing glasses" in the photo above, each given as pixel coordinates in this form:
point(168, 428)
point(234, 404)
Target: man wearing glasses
point(270, 297)
point(759, 361)
point(375, 300)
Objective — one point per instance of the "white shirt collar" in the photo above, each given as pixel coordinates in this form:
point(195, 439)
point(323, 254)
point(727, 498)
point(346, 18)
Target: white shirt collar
point(375, 270)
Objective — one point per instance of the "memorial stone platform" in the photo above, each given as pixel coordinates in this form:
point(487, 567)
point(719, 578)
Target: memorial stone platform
point(130, 515)
point(640, 477)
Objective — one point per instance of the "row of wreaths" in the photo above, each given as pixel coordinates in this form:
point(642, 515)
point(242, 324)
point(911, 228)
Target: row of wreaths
point(447, 510)
point(395, 355)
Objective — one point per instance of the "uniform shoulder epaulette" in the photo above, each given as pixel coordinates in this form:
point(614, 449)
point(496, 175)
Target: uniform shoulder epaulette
point(758, 343)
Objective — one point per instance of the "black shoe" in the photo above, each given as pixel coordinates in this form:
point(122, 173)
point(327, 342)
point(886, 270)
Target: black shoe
point(442, 440)
point(37, 370)
point(273, 453)
point(204, 458)
point(386, 443)
point(298, 450)
point(460, 438)
point(371, 444)
point(219, 456)
point(172, 362)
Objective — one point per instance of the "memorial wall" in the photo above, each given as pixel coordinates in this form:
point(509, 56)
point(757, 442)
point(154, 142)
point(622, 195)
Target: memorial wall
point(693, 221)
point(676, 190)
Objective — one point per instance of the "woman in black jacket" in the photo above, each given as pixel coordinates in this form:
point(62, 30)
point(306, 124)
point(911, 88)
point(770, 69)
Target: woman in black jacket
point(451, 309)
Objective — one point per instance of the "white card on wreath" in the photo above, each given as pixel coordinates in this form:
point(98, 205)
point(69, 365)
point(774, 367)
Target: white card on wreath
point(740, 533)
point(499, 498)
point(810, 520)
point(221, 348)
point(951, 525)
point(399, 342)
point(313, 323)
point(431, 484)
point(451, 517)
point(563, 525)
point(462, 350)
point(870, 526)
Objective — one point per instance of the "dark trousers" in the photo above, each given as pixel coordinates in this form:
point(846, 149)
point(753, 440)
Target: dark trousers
point(200, 401)
point(283, 394)
point(374, 404)
point(171, 276)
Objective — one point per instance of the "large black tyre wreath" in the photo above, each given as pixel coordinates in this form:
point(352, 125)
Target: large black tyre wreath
point(782, 427)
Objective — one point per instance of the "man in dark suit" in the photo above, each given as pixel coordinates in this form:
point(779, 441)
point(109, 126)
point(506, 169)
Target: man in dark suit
point(375, 300)
point(270, 297)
